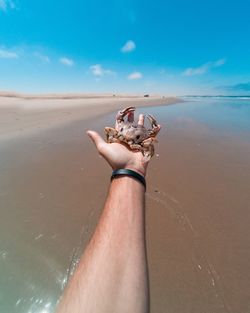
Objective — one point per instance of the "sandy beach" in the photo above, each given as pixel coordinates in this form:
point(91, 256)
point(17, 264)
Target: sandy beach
point(50, 195)
point(22, 114)
point(53, 185)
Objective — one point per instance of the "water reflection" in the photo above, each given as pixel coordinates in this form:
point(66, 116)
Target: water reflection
point(229, 116)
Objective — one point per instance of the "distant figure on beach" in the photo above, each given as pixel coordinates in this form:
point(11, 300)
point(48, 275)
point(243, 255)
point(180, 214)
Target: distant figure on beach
point(112, 275)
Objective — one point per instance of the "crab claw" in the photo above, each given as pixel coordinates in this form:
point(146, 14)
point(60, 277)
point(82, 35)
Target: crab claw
point(155, 127)
point(121, 114)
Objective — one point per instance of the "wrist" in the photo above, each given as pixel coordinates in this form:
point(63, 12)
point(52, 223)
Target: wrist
point(124, 172)
point(141, 172)
point(139, 167)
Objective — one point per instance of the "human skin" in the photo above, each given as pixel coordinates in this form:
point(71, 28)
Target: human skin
point(112, 275)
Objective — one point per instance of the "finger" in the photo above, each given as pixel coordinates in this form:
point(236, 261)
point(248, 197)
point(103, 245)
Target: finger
point(141, 120)
point(131, 117)
point(96, 138)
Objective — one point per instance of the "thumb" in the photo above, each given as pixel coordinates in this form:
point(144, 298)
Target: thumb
point(96, 138)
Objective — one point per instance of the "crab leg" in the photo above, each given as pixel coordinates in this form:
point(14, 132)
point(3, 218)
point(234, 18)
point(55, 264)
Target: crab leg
point(155, 127)
point(111, 134)
point(121, 114)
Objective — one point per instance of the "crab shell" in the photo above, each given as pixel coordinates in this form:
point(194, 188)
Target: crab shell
point(137, 137)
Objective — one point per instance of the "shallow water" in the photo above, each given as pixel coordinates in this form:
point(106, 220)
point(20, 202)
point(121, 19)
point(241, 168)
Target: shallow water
point(230, 116)
point(197, 210)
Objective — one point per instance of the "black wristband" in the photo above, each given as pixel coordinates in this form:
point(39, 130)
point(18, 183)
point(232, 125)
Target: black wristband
point(127, 172)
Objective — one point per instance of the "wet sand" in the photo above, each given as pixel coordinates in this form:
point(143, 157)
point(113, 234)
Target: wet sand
point(52, 188)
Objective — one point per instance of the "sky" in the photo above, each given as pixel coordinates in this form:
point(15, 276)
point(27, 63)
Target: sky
point(176, 47)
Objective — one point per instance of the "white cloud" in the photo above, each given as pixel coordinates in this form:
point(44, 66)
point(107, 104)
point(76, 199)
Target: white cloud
point(66, 61)
point(7, 4)
point(5, 54)
point(128, 47)
point(42, 57)
point(98, 71)
point(135, 75)
point(204, 68)
point(219, 62)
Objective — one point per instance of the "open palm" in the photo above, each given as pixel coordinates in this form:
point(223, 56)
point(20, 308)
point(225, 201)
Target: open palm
point(119, 155)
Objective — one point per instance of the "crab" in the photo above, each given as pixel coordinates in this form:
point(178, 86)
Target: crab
point(136, 137)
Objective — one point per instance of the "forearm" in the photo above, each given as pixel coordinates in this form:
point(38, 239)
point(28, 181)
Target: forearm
point(112, 274)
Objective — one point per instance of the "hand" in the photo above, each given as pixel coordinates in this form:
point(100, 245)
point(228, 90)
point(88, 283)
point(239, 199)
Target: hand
point(120, 156)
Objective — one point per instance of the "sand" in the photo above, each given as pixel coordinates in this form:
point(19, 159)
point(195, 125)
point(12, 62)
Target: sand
point(50, 190)
point(23, 114)
point(53, 185)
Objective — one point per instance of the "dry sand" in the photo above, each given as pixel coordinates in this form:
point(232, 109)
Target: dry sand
point(22, 114)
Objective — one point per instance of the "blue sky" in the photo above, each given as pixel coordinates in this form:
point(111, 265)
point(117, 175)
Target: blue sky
point(167, 47)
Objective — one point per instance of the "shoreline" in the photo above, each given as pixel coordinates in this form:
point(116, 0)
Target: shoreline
point(23, 116)
point(70, 95)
